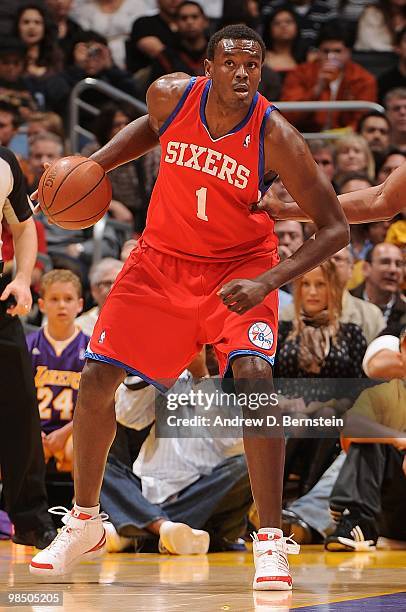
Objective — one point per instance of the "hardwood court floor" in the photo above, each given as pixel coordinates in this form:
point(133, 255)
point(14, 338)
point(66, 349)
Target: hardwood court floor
point(324, 582)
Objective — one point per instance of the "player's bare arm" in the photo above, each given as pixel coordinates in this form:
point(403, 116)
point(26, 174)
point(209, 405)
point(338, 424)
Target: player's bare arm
point(286, 154)
point(163, 96)
point(379, 203)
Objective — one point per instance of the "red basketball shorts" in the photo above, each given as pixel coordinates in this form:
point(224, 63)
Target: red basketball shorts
point(162, 309)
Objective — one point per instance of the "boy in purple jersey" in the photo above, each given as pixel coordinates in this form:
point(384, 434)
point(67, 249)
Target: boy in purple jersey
point(57, 353)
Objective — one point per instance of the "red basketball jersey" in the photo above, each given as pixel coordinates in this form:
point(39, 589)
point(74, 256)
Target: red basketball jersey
point(200, 204)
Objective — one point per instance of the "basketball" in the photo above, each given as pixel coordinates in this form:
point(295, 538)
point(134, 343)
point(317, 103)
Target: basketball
point(74, 192)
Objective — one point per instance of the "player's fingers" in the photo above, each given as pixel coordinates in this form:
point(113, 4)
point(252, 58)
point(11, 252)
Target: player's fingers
point(34, 196)
point(232, 299)
point(229, 289)
point(237, 307)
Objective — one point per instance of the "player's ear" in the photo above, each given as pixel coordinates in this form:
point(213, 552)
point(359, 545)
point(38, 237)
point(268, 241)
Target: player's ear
point(207, 68)
point(41, 305)
point(80, 305)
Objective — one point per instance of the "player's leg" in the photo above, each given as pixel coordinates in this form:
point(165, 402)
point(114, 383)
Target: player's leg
point(265, 455)
point(246, 344)
point(94, 428)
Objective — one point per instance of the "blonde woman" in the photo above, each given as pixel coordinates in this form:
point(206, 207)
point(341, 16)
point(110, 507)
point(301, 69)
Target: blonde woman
point(353, 154)
point(315, 344)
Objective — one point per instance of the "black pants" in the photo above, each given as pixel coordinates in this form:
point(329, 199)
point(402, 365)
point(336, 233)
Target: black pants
point(21, 454)
point(372, 483)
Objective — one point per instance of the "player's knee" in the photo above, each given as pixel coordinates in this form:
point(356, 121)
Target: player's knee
point(101, 379)
point(251, 367)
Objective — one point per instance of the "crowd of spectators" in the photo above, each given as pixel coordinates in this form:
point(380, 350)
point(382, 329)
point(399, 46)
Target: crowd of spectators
point(316, 50)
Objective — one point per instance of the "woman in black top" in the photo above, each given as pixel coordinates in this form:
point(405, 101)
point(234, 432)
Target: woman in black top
point(316, 345)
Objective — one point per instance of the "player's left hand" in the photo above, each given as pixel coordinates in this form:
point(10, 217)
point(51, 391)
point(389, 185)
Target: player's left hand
point(270, 204)
point(22, 295)
point(239, 295)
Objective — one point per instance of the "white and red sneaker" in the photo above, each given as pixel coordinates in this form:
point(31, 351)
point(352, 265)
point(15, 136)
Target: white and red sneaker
point(82, 538)
point(271, 550)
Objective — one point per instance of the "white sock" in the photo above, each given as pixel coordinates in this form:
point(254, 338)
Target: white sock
point(93, 510)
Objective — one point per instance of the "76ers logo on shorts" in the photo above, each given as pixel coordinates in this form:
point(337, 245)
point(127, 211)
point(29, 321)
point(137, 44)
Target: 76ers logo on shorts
point(261, 335)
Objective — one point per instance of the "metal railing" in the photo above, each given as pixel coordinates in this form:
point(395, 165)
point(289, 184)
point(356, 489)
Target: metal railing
point(338, 105)
point(75, 104)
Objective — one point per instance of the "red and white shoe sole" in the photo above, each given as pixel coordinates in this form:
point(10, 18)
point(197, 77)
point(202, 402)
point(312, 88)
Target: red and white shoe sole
point(283, 584)
point(43, 569)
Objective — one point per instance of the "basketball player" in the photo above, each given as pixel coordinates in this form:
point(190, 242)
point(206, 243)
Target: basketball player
point(204, 271)
point(379, 203)
point(21, 457)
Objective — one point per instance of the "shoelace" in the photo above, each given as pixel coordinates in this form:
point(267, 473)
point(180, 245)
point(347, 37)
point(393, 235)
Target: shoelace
point(292, 547)
point(278, 559)
point(63, 535)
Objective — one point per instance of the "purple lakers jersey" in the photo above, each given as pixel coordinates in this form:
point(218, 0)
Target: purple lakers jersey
point(56, 377)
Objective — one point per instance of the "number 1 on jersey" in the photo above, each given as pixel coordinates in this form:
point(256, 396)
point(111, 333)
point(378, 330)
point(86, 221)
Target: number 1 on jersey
point(201, 203)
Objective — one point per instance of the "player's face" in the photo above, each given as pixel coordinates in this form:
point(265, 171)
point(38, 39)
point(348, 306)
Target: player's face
point(235, 71)
point(314, 292)
point(61, 303)
point(376, 132)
